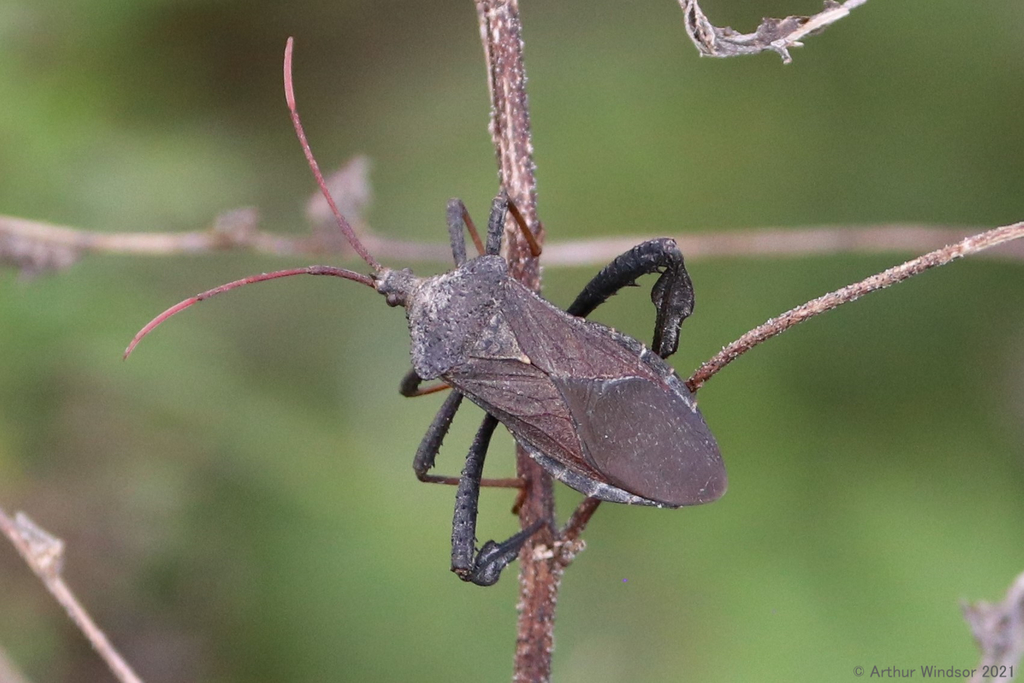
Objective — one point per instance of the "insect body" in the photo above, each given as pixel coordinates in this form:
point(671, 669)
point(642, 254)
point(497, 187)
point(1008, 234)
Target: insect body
point(601, 412)
point(596, 408)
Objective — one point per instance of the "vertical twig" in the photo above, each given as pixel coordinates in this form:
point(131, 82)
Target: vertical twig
point(539, 573)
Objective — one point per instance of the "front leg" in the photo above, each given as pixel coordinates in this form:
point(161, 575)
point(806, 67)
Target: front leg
point(410, 386)
point(672, 293)
point(430, 445)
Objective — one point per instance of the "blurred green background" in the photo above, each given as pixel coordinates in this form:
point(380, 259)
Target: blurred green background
point(238, 500)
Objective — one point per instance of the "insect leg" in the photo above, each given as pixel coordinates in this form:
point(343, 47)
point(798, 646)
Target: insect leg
point(410, 386)
point(672, 294)
point(484, 567)
point(531, 239)
point(496, 223)
point(431, 443)
point(430, 446)
point(459, 220)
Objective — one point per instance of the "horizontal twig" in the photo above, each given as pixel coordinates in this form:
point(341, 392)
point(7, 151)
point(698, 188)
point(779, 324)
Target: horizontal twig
point(779, 242)
point(36, 246)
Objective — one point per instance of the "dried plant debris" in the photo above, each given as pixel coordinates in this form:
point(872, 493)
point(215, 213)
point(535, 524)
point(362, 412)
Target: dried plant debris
point(237, 226)
point(350, 187)
point(32, 254)
point(999, 630)
point(777, 35)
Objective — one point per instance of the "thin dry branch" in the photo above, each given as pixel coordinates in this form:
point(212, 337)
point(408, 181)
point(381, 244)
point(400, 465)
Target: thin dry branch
point(777, 35)
point(9, 672)
point(999, 631)
point(44, 554)
point(827, 302)
point(539, 573)
point(781, 242)
point(36, 247)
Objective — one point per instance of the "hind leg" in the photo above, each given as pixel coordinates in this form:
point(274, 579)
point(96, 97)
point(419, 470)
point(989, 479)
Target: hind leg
point(672, 294)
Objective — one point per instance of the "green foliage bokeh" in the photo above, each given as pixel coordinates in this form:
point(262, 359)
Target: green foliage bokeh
point(237, 499)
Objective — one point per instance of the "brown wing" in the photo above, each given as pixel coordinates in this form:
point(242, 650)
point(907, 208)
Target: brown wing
point(646, 439)
point(566, 346)
point(525, 399)
point(594, 401)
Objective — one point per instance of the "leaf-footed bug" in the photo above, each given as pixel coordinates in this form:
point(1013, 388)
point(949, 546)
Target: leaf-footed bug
point(596, 408)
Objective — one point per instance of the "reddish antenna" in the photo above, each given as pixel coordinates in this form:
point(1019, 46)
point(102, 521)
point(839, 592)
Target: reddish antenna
point(263, 277)
point(343, 224)
point(346, 229)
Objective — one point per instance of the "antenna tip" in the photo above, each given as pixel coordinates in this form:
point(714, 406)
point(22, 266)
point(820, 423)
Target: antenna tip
point(289, 91)
point(133, 344)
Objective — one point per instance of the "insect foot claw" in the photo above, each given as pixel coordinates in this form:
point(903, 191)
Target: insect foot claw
point(494, 557)
point(489, 563)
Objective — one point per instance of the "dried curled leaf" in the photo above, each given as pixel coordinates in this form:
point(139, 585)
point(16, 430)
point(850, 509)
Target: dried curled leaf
point(776, 35)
